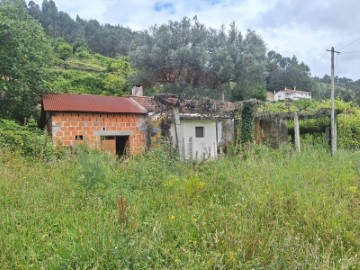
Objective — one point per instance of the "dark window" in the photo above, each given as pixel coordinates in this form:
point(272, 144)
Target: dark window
point(199, 132)
point(79, 137)
point(107, 138)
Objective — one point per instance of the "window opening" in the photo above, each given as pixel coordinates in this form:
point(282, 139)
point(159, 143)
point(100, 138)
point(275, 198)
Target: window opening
point(79, 138)
point(199, 132)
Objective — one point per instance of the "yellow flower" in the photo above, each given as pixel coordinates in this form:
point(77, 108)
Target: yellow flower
point(172, 217)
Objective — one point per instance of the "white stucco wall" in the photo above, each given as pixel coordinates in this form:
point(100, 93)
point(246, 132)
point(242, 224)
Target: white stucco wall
point(193, 147)
point(281, 95)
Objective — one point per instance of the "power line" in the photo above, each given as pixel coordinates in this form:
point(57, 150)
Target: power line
point(352, 42)
point(352, 52)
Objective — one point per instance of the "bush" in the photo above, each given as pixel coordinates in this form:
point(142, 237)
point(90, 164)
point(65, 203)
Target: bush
point(27, 140)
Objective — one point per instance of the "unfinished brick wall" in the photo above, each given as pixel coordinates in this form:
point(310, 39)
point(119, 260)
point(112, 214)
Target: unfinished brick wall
point(89, 129)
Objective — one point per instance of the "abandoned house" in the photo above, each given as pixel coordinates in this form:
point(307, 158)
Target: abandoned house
point(199, 129)
point(113, 124)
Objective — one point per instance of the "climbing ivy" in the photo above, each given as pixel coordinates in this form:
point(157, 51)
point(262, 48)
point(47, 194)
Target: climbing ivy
point(247, 124)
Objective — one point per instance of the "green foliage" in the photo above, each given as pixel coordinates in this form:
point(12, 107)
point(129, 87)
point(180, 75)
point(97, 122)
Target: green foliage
point(77, 82)
point(117, 80)
point(349, 129)
point(85, 73)
point(91, 172)
point(348, 122)
point(288, 72)
point(211, 62)
point(259, 92)
point(25, 53)
point(65, 51)
point(345, 88)
point(192, 188)
point(247, 124)
point(83, 54)
point(150, 212)
point(114, 83)
point(105, 39)
point(27, 140)
point(79, 45)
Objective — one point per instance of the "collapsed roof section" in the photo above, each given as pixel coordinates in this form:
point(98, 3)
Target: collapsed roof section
point(201, 107)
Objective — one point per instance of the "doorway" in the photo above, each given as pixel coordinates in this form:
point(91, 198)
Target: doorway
point(122, 145)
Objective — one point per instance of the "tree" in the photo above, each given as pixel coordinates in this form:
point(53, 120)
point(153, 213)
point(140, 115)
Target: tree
point(49, 18)
point(251, 72)
point(285, 71)
point(34, 10)
point(63, 49)
point(116, 81)
point(185, 57)
point(25, 53)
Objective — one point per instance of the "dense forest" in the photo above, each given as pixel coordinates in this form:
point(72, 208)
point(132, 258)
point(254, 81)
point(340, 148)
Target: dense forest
point(45, 50)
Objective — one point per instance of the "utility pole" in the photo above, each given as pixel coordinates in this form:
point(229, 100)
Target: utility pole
point(333, 120)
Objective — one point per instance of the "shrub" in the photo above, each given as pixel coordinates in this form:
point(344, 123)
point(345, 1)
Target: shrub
point(27, 140)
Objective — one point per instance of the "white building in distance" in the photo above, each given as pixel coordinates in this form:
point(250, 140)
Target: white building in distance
point(291, 94)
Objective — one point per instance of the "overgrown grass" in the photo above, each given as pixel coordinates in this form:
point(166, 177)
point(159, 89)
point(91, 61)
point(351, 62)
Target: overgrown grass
point(262, 209)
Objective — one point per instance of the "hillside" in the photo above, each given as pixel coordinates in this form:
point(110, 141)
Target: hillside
point(345, 89)
point(88, 73)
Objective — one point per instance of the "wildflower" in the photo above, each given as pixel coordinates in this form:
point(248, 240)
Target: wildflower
point(172, 217)
point(352, 189)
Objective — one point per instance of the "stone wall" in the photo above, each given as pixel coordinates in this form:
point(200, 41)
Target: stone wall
point(272, 131)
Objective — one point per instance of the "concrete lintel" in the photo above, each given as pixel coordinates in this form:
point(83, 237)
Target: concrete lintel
point(113, 133)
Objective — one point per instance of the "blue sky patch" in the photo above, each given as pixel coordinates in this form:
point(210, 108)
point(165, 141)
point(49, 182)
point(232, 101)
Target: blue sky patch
point(213, 2)
point(164, 6)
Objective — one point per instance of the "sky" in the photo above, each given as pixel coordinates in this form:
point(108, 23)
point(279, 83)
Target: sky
point(304, 28)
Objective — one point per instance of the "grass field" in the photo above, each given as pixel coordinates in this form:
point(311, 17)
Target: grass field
point(261, 209)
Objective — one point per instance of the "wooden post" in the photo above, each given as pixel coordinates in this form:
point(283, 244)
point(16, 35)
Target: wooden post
point(297, 132)
point(178, 133)
point(191, 149)
point(333, 132)
point(333, 124)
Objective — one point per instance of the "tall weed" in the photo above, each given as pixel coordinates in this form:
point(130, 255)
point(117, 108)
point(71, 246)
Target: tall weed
point(259, 209)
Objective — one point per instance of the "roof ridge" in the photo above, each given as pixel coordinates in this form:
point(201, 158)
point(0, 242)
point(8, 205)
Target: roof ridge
point(138, 104)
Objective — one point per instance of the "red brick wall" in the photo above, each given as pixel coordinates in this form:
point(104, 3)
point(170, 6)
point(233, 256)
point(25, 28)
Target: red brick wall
point(65, 126)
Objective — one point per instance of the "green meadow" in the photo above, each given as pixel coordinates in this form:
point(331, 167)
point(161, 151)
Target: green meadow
point(256, 209)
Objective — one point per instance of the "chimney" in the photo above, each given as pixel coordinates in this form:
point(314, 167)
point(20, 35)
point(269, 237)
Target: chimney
point(137, 90)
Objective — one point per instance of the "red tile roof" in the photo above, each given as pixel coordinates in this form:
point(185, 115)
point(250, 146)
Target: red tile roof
point(292, 91)
point(147, 102)
point(91, 103)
